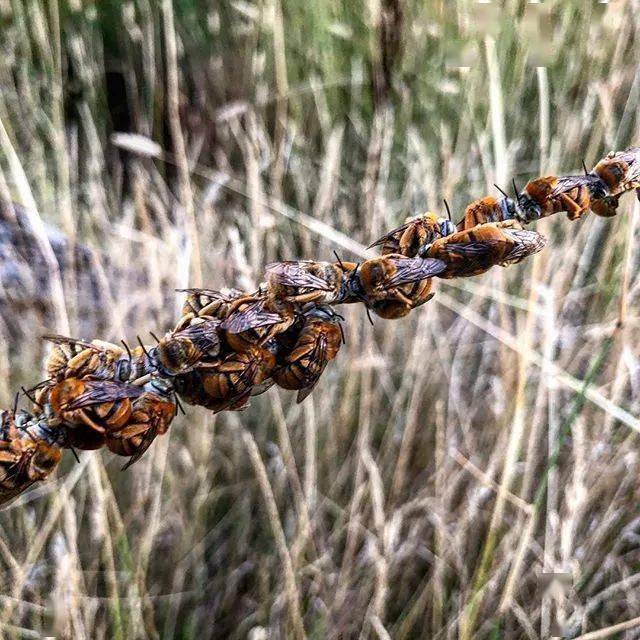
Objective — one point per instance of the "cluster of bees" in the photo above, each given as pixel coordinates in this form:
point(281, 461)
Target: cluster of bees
point(230, 345)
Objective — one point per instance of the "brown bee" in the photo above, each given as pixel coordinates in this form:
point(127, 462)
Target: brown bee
point(226, 384)
point(207, 302)
point(179, 351)
point(407, 239)
point(88, 409)
point(316, 344)
point(393, 285)
point(488, 209)
point(71, 358)
point(256, 321)
point(305, 281)
point(620, 172)
point(474, 251)
point(25, 458)
point(151, 416)
point(543, 197)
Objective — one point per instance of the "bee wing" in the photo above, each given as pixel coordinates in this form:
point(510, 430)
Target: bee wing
point(204, 335)
point(414, 269)
point(567, 183)
point(525, 243)
point(389, 236)
point(100, 391)
point(59, 339)
point(226, 295)
point(147, 440)
point(293, 274)
point(254, 316)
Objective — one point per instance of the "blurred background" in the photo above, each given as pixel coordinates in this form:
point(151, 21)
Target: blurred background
point(466, 472)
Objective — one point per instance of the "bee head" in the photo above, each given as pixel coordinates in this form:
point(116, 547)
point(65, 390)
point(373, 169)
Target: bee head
point(527, 209)
point(44, 460)
point(447, 228)
point(174, 353)
point(509, 208)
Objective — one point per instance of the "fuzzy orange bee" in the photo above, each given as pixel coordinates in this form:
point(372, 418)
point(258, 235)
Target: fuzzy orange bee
point(198, 340)
point(151, 416)
point(305, 281)
point(316, 344)
point(25, 457)
point(256, 321)
point(72, 358)
point(207, 302)
point(407, 239)
point(393, 285)
point(620, 172)
point(226, 384)
point(488, 209)
point(545, 196)
point(92, 407)
point(474, 251)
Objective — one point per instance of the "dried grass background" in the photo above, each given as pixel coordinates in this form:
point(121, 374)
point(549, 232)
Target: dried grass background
point(447, 463)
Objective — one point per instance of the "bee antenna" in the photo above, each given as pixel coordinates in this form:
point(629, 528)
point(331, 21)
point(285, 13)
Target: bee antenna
point(500, 190)
point(146, 353)
point(41, 384)
point(369, 315)
point(75, 454)
point(335, 253)
point(344, 341)
point(446, 206)
point(179, 405)
point(515, 188)
point(15, 403)
point(126, 346)
point(26, 393)
point(154, 336)
point(584, 167)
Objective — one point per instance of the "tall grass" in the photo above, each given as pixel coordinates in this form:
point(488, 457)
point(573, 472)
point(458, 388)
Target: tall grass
point(447, 463)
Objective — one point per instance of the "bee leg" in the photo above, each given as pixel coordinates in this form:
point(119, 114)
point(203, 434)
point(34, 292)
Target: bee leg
point(398, 295)
point(131, 430)
point(89, 422)
point(240, 301)
point(184, 321)
point(312, 296)
point(573, 209)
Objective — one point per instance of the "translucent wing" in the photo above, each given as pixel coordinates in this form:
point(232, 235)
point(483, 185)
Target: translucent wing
point(295, 274)
point(414, 269)
point(253, 316)
point(100, 391)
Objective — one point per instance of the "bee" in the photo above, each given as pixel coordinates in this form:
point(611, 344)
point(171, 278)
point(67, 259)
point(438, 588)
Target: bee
point(474, 251)
point(305, 281)
point(407, 239)
point(72, 358)
point(228, 383)
point(256, 321)
point(488, 209)
point(89, 409)
point(24, 457)
point(393, 285)
point(316, 344)
point(152, 414)
point(545, 196)
point(619, 172)
point(207, 302)
point(179, 351)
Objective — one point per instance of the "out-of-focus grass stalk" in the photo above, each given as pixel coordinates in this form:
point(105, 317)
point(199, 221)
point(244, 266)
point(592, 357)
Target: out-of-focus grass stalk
point(276, 528)
point(173, 105)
